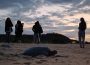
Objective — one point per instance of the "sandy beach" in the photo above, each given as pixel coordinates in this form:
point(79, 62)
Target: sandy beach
point(68, 54)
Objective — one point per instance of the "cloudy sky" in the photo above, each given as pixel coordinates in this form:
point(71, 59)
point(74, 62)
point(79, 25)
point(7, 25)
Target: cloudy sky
point(59, 16)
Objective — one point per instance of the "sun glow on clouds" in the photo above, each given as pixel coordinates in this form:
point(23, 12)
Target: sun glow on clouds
point(47, 10)
point(68, 31)
point(28, 25)
point(79, 15)
point(88, 37)
point(51, 8)
point(85, 8)
point(72, 24)
point(55, 18)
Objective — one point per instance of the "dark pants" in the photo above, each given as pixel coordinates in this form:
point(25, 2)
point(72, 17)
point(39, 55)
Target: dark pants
point(18, 37)
point(8, 37)
point(82, 38)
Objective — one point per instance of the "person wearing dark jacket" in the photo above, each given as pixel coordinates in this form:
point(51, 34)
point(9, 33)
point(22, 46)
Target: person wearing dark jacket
point(37, 29)
point(36, 51)
point(18, 30)
point(8, 28)
point(81, 34)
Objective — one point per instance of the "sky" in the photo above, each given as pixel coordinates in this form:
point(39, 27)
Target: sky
point(55, 16)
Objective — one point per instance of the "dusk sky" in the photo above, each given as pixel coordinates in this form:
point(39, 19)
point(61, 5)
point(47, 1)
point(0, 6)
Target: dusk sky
point(59, 16)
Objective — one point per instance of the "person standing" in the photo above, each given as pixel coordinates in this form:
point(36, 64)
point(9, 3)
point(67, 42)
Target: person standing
point(18, 31)
point(8, 28)
point(81, 34)
point(37, 29)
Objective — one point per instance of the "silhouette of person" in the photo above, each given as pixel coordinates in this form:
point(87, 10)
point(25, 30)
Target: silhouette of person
point(37, 29)
point(36, 51)
point(8, 28)
point(18, 30)
point(81, 34)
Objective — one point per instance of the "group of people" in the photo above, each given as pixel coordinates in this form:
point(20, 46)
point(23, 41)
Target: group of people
point(37, 29)
point(18, 29)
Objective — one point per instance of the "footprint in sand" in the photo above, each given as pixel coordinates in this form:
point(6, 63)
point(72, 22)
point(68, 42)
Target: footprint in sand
point(41, 61)
point(16, 63)
point(27, 63)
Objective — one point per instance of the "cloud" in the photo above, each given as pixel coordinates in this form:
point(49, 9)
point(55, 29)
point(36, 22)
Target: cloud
point(60, 16)
point(3, 13)
point(86, 2)
point(14, 3)
point(64, 1)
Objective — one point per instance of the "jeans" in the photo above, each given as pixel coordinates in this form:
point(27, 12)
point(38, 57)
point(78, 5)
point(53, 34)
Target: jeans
point(81, 35)
point(37, 37)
